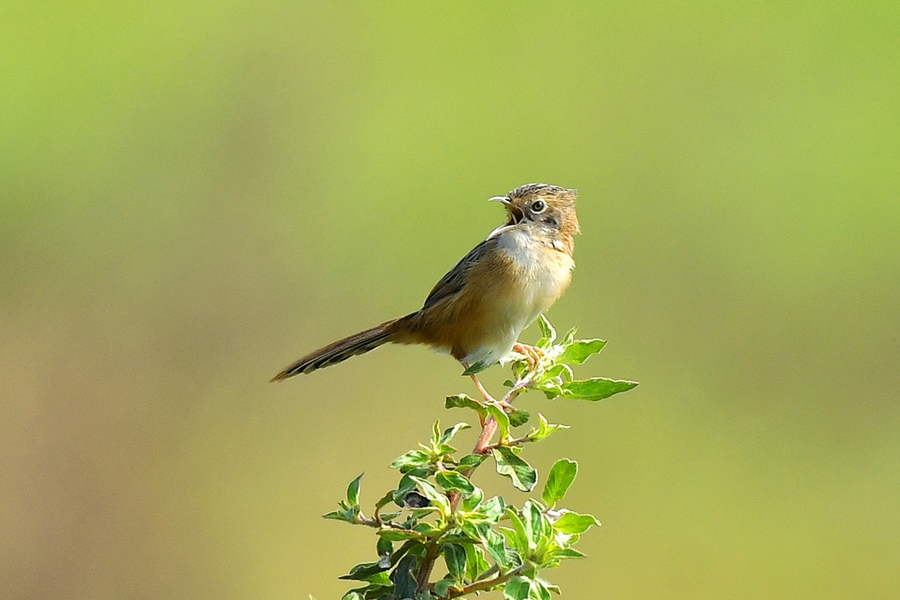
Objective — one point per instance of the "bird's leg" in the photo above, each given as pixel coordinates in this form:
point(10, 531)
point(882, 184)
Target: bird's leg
point(490, 399)
point(532, 354)
point(487, 397)
point(488, 423)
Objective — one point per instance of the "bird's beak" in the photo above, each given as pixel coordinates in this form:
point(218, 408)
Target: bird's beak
point(515, 213)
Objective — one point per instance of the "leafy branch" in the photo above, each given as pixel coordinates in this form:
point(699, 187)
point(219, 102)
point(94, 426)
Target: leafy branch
point(438, 513)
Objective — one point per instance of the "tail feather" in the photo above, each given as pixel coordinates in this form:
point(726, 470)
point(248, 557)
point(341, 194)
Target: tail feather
point(341, 350)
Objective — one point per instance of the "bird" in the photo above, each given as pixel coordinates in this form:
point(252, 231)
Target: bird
point(478, 309)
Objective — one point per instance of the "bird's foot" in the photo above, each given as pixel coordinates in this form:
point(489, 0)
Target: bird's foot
point(532, 354)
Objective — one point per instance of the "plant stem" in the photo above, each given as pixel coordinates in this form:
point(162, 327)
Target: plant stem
point(488, 583)
point(428, 561)
point(488, 428)
point(484, 440)
point(490, 425)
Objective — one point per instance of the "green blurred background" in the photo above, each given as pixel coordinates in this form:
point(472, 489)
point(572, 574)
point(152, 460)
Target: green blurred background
point(196, 193)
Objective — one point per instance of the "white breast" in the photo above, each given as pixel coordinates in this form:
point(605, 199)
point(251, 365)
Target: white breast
point(539, 284)
point(542, 282)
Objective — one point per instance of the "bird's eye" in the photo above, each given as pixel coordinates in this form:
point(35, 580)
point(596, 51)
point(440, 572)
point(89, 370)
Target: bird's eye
point(538, 206)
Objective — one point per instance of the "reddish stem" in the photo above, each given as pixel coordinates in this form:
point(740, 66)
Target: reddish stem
point(488, 428)
point(487, 432)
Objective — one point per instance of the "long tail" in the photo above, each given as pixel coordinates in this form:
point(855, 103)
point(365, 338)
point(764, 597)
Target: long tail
point(341, 350)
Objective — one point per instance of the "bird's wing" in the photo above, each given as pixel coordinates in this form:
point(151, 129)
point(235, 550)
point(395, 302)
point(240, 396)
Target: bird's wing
point(454, 281)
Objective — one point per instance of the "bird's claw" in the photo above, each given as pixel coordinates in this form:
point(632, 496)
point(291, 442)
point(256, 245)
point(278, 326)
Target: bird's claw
point(533, 355)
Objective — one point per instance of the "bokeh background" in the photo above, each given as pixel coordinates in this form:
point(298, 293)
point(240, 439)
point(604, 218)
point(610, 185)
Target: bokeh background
point(196, 193)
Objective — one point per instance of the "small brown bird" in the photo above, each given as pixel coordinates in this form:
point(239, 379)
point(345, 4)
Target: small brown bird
point(477, 310)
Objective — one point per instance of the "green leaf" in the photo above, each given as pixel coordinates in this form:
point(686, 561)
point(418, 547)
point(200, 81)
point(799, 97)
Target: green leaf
point(490, 539)
point(540, 590)
point(519, 418)
point(426, 529)
point(385, 500)
point(384, 546)
point(567, 553)
point(379, 579)
point(514, 541)
point(445, 450)
point(501, 417)
point(553, 588)
point(561, 373)
point(437, 499)
point(471, 461)
point(493, 541)
point(547, 330)
point(513, 560)
point(596, 388)
point(406, 485)
point(412, 459)
point(455, 557)
point(373, 590)
point(442, 587)
point(435, 433)
point(517, 588)
point(475, 561)
point(451, 480)
point(463, 401)
point(571, 522)
point(403, 578)
point(451, 431)
point(477, 367)
point(558, 481)
point(397, 535)
point(580, 351)
point(423, 472)
point(568, 338)
point(534, 522)
point(472, 501)
point(543, 429)
point(523, 475)
point(363, 571)
point(551, 389)
point(519, 535)
point(494, 508)
point(353, 491)
point(347, 515)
